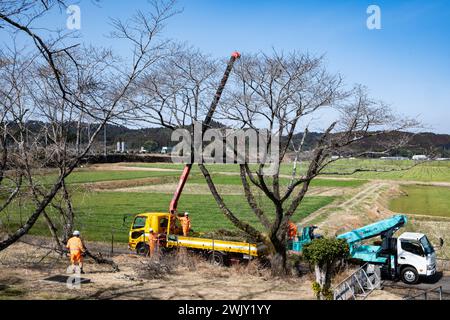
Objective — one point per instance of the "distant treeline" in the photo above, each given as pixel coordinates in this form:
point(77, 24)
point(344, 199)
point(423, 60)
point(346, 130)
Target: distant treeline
point(153, 139)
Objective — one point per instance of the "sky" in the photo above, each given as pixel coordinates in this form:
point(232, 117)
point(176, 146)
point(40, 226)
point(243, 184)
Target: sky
point(406, 63)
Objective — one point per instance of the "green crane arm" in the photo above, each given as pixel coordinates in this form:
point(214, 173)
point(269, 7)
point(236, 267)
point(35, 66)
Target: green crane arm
point(383, 227)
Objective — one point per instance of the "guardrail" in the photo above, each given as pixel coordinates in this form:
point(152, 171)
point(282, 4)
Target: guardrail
point(359, 284)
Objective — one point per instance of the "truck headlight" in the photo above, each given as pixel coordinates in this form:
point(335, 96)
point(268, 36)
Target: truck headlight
point(430, 268)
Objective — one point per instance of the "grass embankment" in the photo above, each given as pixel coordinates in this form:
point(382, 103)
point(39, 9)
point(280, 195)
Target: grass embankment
point(423, 200)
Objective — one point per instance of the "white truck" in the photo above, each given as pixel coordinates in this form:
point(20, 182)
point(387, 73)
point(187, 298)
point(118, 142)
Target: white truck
point(409, 256)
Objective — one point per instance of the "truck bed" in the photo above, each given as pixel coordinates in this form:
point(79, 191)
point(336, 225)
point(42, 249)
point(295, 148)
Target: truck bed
point(212, 244)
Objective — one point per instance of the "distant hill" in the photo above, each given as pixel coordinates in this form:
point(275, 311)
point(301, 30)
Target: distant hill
point(153, 139)
point(423, 143)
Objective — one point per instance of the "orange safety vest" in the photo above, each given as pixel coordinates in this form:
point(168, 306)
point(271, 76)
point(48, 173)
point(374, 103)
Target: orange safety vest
point(152, 237)
point(292, 230)
point(75, 245)
point(152, 241)
point(185, 223)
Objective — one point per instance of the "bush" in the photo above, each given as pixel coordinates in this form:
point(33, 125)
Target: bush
point(323, 254)
point(326, 251)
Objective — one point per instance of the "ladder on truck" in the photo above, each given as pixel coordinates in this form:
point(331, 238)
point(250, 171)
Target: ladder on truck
point(360, 284)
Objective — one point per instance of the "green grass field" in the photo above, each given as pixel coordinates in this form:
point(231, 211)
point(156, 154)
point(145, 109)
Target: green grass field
point(433, 172)
point(99, 213)
point(424, 200)
point(438, 171)
point(236, 180)
point(85, 176)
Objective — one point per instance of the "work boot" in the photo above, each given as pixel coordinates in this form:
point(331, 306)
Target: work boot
point(82, 271)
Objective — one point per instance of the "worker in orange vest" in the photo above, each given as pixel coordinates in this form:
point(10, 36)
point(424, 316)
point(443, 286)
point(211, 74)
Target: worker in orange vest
point(292, 230)
point(152, 242)
point(185, 224)
point(76, 249)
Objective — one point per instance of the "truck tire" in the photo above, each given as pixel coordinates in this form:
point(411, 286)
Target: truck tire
point(409, 275)
point(142, 249)
point(216, 258)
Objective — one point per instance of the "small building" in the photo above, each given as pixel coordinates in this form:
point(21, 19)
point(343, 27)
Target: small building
point(394, 158)
point(166, 150)
point(420, 157)
point(121, 147)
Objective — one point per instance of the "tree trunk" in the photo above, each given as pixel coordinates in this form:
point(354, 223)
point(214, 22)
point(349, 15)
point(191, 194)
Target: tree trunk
point(278, 259)
point(323, 279)
point(278, 264)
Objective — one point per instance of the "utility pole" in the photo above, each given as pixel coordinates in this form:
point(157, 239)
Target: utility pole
point(105, 151)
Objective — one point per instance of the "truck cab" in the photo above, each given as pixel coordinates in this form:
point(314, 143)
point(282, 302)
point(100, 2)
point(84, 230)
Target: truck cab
point(415, 257)
point(141, 225)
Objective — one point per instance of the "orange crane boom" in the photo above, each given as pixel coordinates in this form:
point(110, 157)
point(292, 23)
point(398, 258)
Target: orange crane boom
point(187, 169)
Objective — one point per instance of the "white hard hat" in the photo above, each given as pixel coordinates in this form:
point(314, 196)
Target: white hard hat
point(186, 213)
point(151, 230)
point(76, 233)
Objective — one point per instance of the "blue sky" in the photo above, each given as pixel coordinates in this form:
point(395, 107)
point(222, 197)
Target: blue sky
point(406, 63)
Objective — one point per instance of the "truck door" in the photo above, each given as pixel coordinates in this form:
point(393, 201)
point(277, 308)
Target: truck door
point(410, 252)
point(137, 234)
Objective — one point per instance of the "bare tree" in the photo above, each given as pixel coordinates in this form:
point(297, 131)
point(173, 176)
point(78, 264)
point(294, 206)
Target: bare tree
point(51, 88)
point(175, 93)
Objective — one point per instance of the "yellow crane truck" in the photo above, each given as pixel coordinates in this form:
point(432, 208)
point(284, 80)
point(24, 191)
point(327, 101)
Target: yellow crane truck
point(219, 252)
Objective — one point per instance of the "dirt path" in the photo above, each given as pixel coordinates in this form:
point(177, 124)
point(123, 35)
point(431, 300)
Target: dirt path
point(127, 167)
point(130, 167)
point(364, 194)
point(203, 189)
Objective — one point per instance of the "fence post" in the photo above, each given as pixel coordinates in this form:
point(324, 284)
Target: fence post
point(112, 242)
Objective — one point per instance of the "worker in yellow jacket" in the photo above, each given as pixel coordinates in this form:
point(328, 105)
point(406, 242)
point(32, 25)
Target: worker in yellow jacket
point(76, 250)
point(185, 224)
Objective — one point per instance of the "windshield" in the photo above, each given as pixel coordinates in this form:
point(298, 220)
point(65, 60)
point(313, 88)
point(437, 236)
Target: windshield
point(427, 247)
point(139, 222)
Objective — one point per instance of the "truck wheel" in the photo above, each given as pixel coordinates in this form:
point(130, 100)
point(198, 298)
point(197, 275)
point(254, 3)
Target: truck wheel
point(409, 275)
point(216, 259)
point(142, 249)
